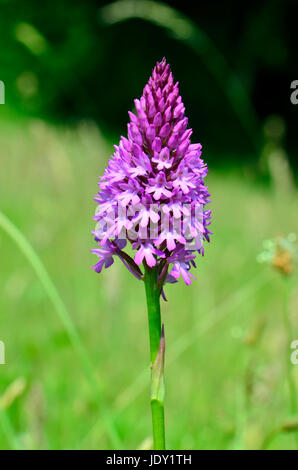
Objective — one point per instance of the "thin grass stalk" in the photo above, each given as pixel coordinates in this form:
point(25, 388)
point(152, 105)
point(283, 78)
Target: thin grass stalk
point(28, 251)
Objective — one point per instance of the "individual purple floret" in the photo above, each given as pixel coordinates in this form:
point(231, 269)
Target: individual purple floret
point(152, 193)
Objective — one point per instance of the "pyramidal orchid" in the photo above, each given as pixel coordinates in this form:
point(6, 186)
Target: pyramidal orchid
point(153, 196)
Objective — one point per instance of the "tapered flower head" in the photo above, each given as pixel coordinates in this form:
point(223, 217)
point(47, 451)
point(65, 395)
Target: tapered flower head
point(152, 193)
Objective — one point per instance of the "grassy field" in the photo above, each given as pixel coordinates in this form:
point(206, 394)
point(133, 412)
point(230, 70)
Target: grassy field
point(76, 372)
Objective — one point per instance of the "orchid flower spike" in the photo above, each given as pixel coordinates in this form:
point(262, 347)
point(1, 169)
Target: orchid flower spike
point(153, 193)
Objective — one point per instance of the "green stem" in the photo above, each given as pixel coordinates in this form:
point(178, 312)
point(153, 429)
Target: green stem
point(158, 422)
point(155, 337)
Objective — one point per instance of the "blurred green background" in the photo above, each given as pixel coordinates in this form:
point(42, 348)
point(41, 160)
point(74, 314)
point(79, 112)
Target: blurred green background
point(76, 373)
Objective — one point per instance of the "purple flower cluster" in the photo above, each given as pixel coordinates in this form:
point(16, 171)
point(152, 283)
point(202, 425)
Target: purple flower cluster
point(155, 178)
